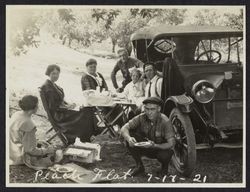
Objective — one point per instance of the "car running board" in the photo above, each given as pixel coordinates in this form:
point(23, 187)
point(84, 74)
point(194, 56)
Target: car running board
point(218, 145)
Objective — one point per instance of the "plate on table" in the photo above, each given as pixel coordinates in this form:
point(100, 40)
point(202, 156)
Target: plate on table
point(143, 144)
point(119, 99)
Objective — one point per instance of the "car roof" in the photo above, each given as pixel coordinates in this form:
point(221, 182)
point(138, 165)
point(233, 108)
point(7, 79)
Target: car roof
point(157, 32)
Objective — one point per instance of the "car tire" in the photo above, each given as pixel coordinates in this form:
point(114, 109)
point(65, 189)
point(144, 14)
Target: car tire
point(184, 157)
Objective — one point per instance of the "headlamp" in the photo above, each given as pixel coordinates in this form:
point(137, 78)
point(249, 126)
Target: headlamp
point(203, 91)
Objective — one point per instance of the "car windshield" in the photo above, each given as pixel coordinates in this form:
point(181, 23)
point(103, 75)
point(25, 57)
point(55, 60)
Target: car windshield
point(223, 50)
point(188, 50)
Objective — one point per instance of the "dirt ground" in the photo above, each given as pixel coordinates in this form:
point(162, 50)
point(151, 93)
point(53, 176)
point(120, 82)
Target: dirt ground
point(218, 165)
point(26, 74)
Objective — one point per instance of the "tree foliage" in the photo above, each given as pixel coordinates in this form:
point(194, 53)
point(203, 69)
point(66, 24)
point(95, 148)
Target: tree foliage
point(234, 20)
point(73, 28)
point(107, 15)
point(66, 15)
point(24, 31)
point(214, 17)
point(86, 26)
point(124, 26)
point(168, 16)
point(207, 17)
point(119, 25)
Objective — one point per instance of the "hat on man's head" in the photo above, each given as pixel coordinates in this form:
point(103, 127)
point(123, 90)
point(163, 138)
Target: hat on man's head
point(91, 61)
point(154, 100)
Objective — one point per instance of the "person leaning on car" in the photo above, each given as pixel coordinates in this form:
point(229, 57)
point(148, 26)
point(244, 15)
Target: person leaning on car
point(124, 63)
point(152, 126)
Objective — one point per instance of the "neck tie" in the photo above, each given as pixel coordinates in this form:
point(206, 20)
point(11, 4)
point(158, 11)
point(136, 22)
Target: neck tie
point(149, 89)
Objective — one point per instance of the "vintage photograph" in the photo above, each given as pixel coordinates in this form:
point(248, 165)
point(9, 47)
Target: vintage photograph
point(125, 96)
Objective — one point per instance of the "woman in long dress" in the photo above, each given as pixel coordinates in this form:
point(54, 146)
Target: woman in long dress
point(81, 123)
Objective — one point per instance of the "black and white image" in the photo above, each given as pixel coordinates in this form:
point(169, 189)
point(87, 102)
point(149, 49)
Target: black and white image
point(125, 96)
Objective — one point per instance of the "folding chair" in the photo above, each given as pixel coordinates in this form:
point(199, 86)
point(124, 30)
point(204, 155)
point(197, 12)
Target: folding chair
point(58, 130)
point(111, 118)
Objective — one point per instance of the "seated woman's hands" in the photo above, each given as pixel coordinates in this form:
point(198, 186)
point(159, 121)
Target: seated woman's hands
point(43, 144)
point(71, 106)
point(67, 105)
point(119, 90)
point(46, 147)
point(50, 149)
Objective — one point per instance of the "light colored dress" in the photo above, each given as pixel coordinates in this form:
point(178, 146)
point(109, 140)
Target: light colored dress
point(135, 92)
point(23, 145)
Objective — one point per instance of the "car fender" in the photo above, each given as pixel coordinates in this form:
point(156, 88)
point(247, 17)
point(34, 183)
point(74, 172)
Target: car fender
point(183, 102)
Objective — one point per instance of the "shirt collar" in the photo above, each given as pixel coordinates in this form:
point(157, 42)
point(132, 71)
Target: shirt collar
point(136, 84)
point(158, 119)
point(154, 79)
point(92, 75)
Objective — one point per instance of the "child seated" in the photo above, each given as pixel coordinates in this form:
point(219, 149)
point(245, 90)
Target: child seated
point(22, 141)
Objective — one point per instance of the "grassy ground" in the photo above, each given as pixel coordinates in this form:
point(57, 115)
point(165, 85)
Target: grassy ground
point(26, 74)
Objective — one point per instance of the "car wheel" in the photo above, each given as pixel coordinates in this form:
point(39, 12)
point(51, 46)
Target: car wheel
point(184, 157)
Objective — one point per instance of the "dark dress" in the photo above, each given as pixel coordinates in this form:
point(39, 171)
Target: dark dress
point(76, 123)
point(89, 82)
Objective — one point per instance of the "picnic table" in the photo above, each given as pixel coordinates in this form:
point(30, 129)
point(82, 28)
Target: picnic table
point(113, 114)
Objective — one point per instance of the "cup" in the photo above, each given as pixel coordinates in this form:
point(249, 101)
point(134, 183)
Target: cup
point(58, 155)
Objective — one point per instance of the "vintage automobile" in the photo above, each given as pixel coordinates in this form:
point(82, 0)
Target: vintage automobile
point(202, 85)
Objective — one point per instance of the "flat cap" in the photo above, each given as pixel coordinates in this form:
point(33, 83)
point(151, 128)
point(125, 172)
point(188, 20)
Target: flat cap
point(153, 100)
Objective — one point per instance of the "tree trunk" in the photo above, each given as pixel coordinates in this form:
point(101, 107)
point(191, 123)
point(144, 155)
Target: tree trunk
point(113, 45)
point(70, 40)
point(64, 40)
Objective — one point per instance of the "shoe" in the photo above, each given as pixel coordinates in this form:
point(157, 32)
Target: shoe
point(164, 170)
point(98, 131)
point(92, 138)
point(161, 173)
point(137, 170)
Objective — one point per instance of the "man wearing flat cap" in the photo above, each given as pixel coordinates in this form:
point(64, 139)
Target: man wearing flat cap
point(92, 79)
point(124, 63)
point(152, 126)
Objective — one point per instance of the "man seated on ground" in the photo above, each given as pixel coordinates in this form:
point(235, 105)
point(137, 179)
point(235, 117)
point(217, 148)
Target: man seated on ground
point(155, 127)
point(124, 63)
point(154, 85)
point(92, 79)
